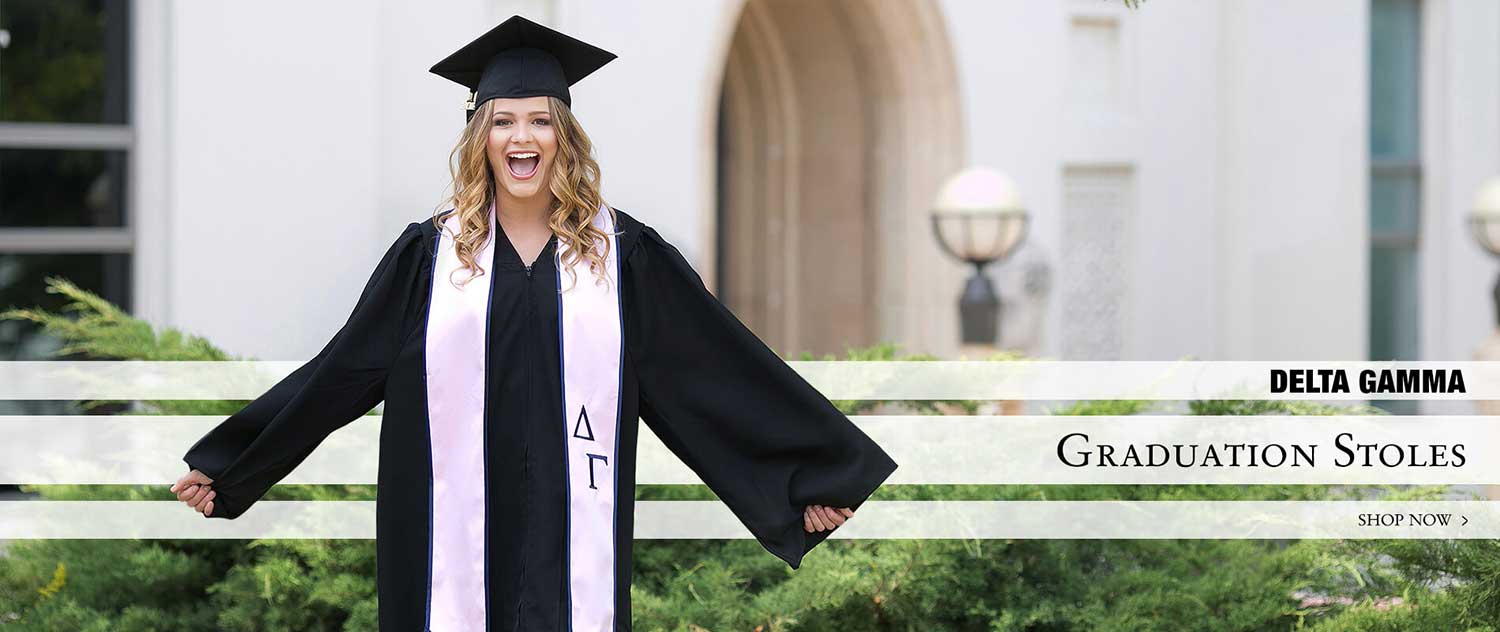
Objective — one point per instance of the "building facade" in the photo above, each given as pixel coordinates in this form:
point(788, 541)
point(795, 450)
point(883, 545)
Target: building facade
point(1226, 180)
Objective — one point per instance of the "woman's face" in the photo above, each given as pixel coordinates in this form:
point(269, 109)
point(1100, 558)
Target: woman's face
point(521, 146)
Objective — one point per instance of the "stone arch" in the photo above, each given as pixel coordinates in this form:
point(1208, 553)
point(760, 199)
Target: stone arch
point(838, 121)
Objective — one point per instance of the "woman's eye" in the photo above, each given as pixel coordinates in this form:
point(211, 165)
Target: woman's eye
point(543, 122)
point(501, 122)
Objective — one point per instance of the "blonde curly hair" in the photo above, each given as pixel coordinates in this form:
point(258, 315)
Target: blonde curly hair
point(574, 187)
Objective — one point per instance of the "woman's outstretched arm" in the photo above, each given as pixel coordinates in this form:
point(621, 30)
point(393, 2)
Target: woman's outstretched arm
point(778, 453)
point(242, 457)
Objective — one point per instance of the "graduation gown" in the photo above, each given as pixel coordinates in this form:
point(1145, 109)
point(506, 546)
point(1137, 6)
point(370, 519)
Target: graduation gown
point(762, 438)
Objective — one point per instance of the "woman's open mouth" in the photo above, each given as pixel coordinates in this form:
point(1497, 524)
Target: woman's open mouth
point(522, 164)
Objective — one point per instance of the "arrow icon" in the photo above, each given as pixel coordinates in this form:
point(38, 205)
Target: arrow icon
point(1466, 520)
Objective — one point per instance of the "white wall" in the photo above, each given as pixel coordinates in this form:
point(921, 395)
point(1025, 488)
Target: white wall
point(1178, 182)
point(272, 171)
point(1294, 163)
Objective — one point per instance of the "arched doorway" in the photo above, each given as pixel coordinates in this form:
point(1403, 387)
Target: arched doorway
point(838, 121)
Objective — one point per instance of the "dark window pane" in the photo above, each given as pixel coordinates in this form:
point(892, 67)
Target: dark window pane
point(23, 285)
point(1395, 63)
point(1395, 185)
point(1393, 305)
point(1394, 313)
point(67, 61)
point(61, 187)
point(1398, 406)
point(1395, 202)
point(58, 407)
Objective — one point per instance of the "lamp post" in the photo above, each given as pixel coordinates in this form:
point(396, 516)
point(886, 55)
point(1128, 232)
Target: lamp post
point(978, 219)
point(1484, 221)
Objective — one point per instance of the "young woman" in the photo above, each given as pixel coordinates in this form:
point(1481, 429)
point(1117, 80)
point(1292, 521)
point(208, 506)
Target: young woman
point(515, 339)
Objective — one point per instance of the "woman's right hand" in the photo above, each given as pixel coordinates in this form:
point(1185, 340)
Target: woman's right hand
point(193, 489)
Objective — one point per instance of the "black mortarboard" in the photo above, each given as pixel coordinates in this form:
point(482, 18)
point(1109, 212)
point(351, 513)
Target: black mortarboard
point(520, 58)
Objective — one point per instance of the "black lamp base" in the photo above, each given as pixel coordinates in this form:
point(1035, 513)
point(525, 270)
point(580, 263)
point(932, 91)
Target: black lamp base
point(979, 310)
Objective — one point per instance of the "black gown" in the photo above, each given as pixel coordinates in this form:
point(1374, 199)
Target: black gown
point(762, 438)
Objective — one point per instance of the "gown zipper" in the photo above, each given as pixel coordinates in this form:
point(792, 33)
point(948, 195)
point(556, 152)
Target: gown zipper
point(525, 467)
point(526, 457)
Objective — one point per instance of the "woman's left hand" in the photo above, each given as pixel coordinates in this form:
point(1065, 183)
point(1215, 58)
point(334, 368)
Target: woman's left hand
point(822, 518)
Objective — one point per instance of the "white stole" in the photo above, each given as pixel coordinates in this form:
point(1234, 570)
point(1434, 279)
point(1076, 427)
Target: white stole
point(590, 327)
point(590, 345)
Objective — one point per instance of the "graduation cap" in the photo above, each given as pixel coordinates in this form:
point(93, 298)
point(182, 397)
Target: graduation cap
point(520, 58)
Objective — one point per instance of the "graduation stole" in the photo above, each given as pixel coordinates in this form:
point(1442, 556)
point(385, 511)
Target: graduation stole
point(591, 350)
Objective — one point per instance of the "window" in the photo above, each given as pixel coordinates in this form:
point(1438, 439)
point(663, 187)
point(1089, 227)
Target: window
point(65, 147)
point(1395, 183)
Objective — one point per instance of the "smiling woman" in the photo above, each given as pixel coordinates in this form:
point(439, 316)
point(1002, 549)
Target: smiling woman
point(512, 395)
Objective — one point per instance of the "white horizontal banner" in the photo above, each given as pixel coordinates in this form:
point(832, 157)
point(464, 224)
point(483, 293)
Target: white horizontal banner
point(933, 450)
point(1033, 520)
point(1192, 450)
point(938, 380)
point(148, 449)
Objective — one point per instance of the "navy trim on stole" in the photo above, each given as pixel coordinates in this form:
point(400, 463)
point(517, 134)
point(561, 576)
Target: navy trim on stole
point(485, 430)
point(431, 286)
point(614, 517)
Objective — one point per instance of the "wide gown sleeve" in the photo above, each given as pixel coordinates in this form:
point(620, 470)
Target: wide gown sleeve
point(762, 438)
point(256, 447)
